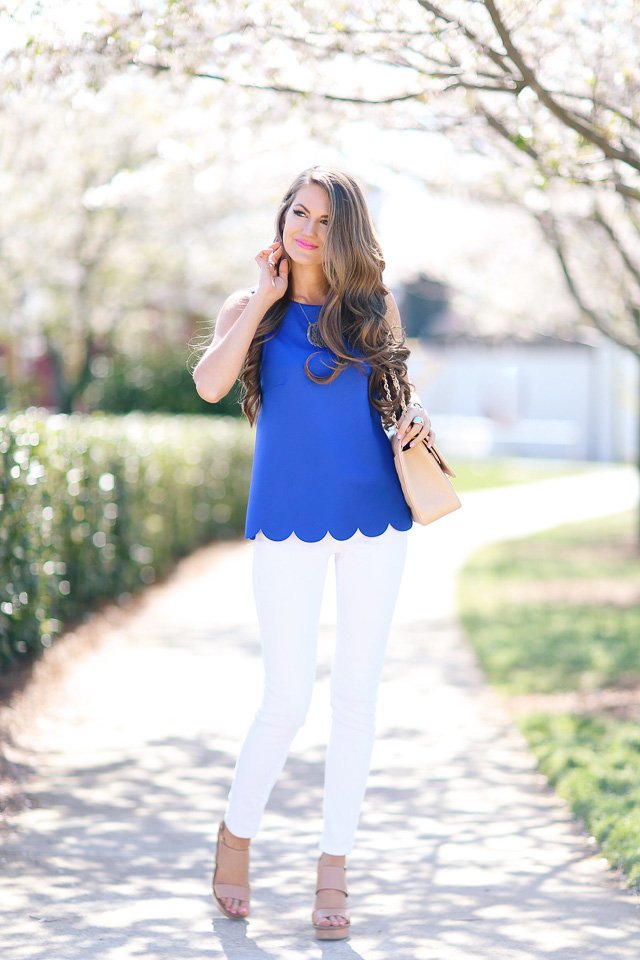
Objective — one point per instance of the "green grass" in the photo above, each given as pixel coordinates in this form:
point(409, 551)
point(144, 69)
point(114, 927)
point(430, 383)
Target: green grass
point(558, 611)
point(480, 474)
point(594, 548)
point(534, 648)
point(543, 645)
point(594, 764)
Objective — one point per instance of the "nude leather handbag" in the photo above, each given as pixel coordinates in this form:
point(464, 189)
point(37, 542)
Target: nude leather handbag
point(423, 473)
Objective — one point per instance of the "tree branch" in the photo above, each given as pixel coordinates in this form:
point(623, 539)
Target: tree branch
point(599, 104)
point(276, 88)
point(608, 182)
point(496, 124)
point(495, 56)
point(599, 218)
point(567, 117)
point(550, 230)
point(624, 189)
point(632, 212)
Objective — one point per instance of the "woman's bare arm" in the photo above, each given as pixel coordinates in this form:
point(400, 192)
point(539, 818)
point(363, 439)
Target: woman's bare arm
point(219, 367)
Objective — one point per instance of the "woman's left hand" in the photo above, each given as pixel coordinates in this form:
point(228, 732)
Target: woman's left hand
point(415, 432)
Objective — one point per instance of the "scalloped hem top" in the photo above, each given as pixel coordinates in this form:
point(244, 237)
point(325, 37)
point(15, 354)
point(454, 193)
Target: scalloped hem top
point(322, 461)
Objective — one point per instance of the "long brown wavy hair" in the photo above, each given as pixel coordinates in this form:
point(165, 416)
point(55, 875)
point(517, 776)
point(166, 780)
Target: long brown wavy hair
point(354, 314)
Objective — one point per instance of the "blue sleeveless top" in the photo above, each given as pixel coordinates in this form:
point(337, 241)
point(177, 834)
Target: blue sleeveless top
point(322, 461)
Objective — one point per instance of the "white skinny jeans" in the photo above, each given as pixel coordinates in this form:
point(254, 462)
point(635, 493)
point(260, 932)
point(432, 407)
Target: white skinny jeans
point(288, 583)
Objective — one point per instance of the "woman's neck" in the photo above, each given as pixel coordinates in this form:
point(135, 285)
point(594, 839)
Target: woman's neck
point(308, 289)
point(311, 300)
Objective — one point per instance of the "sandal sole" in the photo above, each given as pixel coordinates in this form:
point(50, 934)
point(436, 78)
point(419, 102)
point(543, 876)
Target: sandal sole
point(332, 933)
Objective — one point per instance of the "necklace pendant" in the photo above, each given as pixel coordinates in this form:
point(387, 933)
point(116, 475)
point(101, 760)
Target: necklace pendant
point(313, 335)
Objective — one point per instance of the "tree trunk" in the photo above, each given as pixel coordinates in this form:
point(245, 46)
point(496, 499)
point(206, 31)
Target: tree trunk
point(63, 397)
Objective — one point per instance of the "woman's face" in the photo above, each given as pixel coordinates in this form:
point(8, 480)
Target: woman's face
point(306, 224)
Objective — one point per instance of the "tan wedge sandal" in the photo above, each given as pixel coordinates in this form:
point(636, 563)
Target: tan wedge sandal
point(330, 878)
point(236, 860)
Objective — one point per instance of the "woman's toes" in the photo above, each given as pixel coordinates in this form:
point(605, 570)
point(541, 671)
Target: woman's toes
point(239, 907)
point(231, 904)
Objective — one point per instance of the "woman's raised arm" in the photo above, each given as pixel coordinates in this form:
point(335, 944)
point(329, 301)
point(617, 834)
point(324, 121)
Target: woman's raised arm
point(219, 367)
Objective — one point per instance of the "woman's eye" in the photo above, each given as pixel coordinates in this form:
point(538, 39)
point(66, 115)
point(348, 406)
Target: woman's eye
point(325, 223)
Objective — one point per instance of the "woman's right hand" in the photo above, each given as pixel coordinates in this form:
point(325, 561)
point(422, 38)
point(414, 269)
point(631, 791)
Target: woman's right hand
point(274, 271)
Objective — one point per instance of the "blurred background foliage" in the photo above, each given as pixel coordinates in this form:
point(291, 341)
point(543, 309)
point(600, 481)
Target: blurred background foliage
point(96, 506)
point(157, 380)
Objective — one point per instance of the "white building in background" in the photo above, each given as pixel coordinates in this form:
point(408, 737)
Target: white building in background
point(543, 397)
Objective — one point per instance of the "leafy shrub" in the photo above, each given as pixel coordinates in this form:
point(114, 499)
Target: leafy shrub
point(159, 381)
point(92, 506)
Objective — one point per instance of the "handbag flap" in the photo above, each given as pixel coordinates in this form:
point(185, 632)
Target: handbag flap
point(444, 466)
point(433, 450)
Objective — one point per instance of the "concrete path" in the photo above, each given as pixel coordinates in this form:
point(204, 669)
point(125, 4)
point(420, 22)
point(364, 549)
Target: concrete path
point(463, 852)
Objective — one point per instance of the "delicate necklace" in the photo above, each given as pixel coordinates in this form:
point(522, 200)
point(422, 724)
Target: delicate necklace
point(313, 333)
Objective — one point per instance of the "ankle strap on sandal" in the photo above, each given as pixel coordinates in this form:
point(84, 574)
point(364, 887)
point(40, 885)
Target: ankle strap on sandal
point(221, 834)
point(331, 878)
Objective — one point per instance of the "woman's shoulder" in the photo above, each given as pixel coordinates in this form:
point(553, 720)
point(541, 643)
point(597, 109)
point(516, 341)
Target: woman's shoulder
point(392, 315)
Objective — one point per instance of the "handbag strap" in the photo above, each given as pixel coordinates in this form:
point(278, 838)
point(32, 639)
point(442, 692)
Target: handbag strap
point(433, 450)
point(390, 398)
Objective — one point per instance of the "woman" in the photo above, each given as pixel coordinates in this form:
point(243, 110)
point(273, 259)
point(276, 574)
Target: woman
point(310, 344)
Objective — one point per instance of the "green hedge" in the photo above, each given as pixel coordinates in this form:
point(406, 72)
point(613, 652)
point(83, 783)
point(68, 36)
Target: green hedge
point(94, 506)
point(594, 764)
point(159, 381)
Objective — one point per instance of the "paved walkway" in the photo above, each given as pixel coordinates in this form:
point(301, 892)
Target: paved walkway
point(463, 852)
